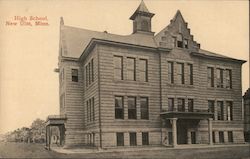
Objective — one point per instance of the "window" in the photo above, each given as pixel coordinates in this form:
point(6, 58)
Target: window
point(181, 104)
point(210, 77)
point(220, 110)
point(180, 73)
point(118, 68)
point(213, 136)
point(87, 75)
point(170, 72)
point(90, 110)
point(230, 136)
point(120, 139)
point(190, 105)
point(170, 104)
point(186, 43)
point(228, 79)
point(90, 73)
point(92, 70)
point(131, 69)
point(62, 100)
point(131, 107)
point(143, 68)
point(179, 41)
point(145, 138)
point(211, 106)
point(87, 103)
point(74, 75)
point(61, 75)
point(132, 139)
point(144, 26)
point(221, 136)
point(229, 106)
point(144, 108)
point(219, 75)
point(119, 113)
point(190, 74)
point(93, 109)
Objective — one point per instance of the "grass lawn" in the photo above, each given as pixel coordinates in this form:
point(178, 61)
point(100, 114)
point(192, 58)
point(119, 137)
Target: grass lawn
point(22, 150)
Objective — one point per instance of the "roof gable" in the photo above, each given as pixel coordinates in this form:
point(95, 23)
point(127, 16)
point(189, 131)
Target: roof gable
point(177, 29)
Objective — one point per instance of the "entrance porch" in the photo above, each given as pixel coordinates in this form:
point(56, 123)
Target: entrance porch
point(184, 126)
point(55, 131)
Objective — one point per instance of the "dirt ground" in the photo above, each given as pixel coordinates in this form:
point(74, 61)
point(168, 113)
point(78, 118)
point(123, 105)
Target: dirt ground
point(24, 150)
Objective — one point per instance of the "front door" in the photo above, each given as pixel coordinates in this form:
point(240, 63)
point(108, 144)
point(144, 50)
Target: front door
point(181, 132)
point(193, 137)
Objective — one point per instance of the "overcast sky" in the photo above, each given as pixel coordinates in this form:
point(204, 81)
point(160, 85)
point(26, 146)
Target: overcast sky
point(28, 54)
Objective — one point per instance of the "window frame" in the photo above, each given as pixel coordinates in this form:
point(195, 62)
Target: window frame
point(190, 74)
point(181, 107)
point(220, 110)
point(210, 76)
point(132, 110)
point(119, 139)
point(131, 70)
point(143, 70)
point(132, 139)
point(144, 111)
point(120, 68)
point(145, 138)
point(74, 75)
point(118, 109)
point(171, 72)
point(180, 75)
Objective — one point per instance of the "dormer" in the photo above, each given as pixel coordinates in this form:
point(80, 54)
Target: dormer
point(142, 20)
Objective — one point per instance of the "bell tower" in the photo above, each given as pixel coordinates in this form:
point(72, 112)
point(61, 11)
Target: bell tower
point(142, 19)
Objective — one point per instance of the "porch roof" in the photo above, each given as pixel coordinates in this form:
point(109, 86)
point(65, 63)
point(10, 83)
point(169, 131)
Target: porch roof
point(56, 120)
point(195, 114)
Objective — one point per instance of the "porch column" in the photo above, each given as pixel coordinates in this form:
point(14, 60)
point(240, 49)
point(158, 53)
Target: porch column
point(46, 136)
point(174, 131)
point(210, 133)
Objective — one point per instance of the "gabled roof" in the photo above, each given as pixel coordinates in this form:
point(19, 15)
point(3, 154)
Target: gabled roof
point(75, 40)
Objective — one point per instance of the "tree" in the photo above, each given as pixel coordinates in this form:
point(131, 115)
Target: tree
point(38, 130)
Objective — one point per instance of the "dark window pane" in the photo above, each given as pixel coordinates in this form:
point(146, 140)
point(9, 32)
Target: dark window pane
point(221, 136)
point(228, 79)
point(119, 112)
point(170, 104)
point(181, 104)
point(170, 72)
point(219, 77)
point(118, 67)
point(74, 75)
point(211, 107)
point(190, 105)
point(120, 139)
point(131, 68)
point(190, 74)
point(132, 139)
point(144, 108)
point(145, 138)
point(131, 108)
point(220, 110)
point(230, 136)
point(180, 73)
point(210, 77)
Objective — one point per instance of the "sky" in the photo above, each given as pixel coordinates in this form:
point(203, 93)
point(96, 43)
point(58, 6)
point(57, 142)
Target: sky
point(28, 54)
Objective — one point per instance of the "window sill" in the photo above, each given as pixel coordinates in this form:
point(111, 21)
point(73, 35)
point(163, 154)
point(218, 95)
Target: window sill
point(131, 82)
point(216, 88)
point(180, 85)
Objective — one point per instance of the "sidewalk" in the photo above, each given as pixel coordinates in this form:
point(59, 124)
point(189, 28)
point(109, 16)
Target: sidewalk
point(133, 149)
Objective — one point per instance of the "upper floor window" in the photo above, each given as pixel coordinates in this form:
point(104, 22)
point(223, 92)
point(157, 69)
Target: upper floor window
point(228, 78)
point(171, 72)
point(190, 105)
point(170, 104)
point(119, 112)
point(190, 74)
point(131, 107)
point(186, 43)
point(181, 104)
point(92, 70)
point(229, 105)
point(118, 67)
point(143, 68)
point(219, 77)
point(179, 41)
point(210, 77)
point(180, 73)
point(74, 75)
point(211, 106)
point(89, 73)
point(144, 108)
point(220, 110)
point(131, 69)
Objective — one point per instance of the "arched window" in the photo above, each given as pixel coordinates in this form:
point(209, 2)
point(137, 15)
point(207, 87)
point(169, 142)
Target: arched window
point(144, 25)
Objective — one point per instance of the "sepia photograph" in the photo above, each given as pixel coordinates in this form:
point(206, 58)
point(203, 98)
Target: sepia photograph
point(163, 79)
